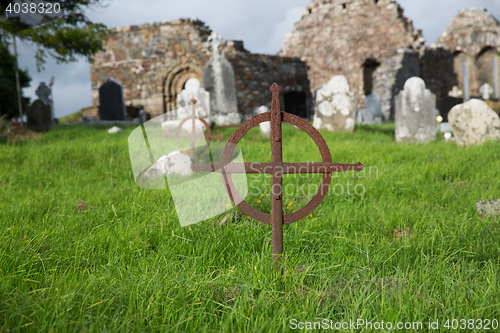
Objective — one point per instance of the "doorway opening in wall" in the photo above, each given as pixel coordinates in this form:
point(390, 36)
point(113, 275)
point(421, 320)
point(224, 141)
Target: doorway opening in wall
point(487, 62)
point(173, 84)
point(295, 103)
point(369, 68)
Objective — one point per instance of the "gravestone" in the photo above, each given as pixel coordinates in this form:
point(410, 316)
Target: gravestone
point(39, 116)
point(219, 81)
point(474, 122)
point(335, 106)
point(193, 90)
point(486, 90)
point(372, 113)
point(142, 116)
point(111, 101)
point(44, 93)
point(416, 113)
point(265, 127)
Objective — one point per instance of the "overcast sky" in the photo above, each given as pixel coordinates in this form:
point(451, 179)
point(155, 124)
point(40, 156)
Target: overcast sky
point(260, 24)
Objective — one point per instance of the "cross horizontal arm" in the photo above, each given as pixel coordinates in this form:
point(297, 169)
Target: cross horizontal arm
point(196, 136)
point(287, 168)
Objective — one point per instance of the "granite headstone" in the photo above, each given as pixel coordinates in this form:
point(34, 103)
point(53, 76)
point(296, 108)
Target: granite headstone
point(39, 116)
point(219, 81)
point(111, 101)
point(193, 90)
point(372, 113)
point(265, 127)
point(44, 92)
point(415, 117)
point(335, 106)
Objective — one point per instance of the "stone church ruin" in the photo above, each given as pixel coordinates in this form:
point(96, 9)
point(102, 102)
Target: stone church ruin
point(370, 42)
point(154, 61)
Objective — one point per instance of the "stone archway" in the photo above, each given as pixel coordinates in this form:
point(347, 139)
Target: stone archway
point(485, 68)
point(459, 58)
point(174, 83)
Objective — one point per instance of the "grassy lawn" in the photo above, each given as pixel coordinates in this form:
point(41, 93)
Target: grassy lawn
point(82, 248)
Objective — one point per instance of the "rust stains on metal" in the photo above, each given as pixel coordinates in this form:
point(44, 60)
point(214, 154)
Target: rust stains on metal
point(193, 134)
point(277, 168)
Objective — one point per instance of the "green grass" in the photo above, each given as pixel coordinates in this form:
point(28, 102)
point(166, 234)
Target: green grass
point(82, 248)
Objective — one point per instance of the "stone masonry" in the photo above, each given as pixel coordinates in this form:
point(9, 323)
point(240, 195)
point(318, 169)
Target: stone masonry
point(350, 38)
point(474, 37)
point(153, 62)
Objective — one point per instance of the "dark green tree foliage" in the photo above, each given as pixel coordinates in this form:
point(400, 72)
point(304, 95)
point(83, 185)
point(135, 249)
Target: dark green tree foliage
point(63, 38)
point(8, 90)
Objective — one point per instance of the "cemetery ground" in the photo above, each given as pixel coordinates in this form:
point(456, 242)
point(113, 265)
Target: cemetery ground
point(82, 248)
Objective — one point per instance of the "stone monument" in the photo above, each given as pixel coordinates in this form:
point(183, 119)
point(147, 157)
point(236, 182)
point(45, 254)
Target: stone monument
point(111, 101)
point(39, 116)
point(193, 90)
point(219, 81)
point(486, 90)
point(335, 106)
point(416, 113)
point(44, 93)
point(474, 122)
point(265, 127)
point(372, 113)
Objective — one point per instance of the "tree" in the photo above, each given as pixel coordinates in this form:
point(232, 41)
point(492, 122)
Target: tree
point(8, 91)
point(63, 38)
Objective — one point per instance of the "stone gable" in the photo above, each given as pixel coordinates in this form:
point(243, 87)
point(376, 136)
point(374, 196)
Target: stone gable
point(474, 38)
point(350, 38)
point(154, 61)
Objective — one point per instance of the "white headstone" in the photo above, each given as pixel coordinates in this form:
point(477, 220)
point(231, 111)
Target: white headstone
point(474, 122)
point(265, 127)
point(486, 90)
point(335, 106)
point(415, 116)
point(193, 90)
point(173, 162)
point(219, 80)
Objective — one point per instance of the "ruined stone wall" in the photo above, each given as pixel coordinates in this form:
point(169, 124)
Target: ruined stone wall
point(474, 37)
point(391, 76)
point(144, 57)
point(337, 37)
point(255, 73)
point(153, 62)
point(437, 70)
point(433, 64)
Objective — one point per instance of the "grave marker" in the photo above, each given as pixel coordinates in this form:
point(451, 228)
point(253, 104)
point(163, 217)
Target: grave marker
point(193, 90)
point(219, 81)
point(193, 135)
point(415, 116)
point(39, 116)
point(486, 90)
point(277, 168)
point(335, 106)
point(111, 101)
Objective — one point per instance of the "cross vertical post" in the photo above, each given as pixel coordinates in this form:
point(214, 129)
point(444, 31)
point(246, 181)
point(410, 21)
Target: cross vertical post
point(193, 128)
point(276, 180)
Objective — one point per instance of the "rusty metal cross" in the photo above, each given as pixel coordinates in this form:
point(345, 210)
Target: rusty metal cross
point(277, 168)
point(193, 134)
